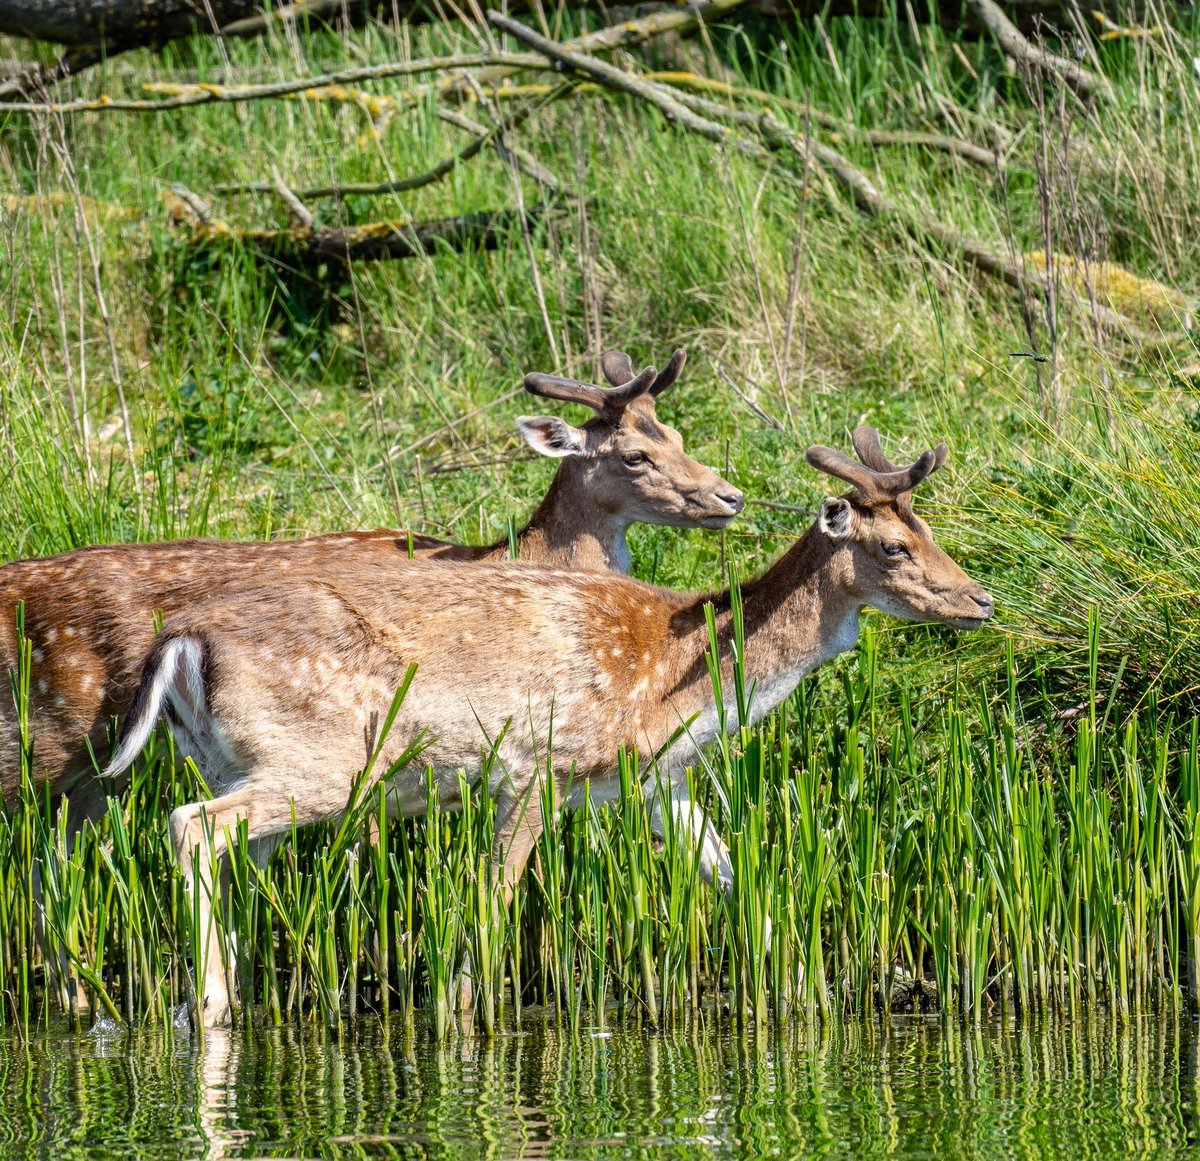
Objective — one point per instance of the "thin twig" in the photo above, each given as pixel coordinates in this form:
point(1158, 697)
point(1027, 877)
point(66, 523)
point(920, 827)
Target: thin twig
point(400, 452)
point(767, 418)
point(439, 171)
point(300, 213)
point(528, 164)
point(41, 77)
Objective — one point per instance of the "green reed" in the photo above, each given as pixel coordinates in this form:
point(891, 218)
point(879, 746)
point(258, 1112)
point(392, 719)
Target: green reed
point(983, 854)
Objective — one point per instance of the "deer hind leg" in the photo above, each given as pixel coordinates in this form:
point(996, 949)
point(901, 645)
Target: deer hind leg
point(518, 825)
point(85, 805)
point(202, 832)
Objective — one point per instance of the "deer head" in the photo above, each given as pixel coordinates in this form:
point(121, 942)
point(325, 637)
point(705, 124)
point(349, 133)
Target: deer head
point(631, 464)
point(895, 566)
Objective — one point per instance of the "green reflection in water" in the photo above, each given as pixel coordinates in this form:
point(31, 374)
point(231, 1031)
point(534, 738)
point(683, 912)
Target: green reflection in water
point(908, 1087)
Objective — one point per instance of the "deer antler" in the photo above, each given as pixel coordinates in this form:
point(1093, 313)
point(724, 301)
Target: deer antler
point(618, 370)
point(599, 399)
point(617, 367)
point(669, 373)
point(875, 477)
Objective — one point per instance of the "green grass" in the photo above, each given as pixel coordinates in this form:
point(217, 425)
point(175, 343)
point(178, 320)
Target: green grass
point(1010, 814)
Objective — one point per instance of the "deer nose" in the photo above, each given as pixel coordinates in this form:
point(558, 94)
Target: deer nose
point(732, 499)
point(987, 606)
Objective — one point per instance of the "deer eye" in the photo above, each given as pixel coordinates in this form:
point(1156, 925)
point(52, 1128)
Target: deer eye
point(635, 459)
point(894, 551)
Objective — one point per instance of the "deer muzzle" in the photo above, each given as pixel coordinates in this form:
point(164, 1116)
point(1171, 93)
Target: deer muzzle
point(723, 506)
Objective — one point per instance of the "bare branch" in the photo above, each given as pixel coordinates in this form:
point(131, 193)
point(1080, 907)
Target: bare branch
point(185, 96)
point(522, 158)
point(300, 214)
point(1015, 44)
point(430, 176)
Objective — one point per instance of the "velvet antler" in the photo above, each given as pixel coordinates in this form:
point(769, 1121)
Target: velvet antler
point(873, 476)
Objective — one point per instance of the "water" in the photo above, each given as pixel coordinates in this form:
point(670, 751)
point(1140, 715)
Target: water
point(910, 1087)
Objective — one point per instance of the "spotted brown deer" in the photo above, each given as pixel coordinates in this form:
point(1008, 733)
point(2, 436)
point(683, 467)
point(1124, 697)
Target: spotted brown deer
point(282, 722)
point(89, 614)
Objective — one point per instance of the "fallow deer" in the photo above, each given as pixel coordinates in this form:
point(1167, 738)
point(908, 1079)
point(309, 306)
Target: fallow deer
point(89, 614)
point(283, 720)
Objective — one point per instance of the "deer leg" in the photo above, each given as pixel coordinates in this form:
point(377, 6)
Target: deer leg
point(715, 865)
point(518, 825)
point(201, 831)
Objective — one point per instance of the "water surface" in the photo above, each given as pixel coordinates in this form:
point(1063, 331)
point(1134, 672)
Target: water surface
point(906, 1087)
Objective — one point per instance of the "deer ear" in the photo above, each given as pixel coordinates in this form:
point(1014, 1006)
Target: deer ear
point(836, 518)
point(550, 436)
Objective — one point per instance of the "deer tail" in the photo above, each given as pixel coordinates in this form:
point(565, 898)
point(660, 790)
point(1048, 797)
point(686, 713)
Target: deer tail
point(173, 675)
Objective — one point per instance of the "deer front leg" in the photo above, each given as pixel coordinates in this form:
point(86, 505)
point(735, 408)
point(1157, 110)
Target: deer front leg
point(715, 864)
point(518, 827)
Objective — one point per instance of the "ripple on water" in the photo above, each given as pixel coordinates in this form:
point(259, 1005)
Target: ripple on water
point(910, 1087)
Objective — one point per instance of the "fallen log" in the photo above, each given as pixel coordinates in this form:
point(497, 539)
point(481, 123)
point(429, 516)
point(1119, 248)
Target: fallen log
point(310, 246)
point(118, 25)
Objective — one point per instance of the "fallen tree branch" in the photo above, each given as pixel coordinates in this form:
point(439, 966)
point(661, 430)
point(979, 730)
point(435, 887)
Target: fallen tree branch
point(700, 115)
point(620, 81)
point(495, 66)
point(1015, 44)
point(187, 96)
point(298, 10)
point(627, 32)
point(938, 142)
point(306, 247)
point(417, 181)
point(694, 82)
point(50, 205)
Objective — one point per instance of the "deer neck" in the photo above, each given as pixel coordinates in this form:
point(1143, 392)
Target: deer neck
point(570, 530)
point(797, 615)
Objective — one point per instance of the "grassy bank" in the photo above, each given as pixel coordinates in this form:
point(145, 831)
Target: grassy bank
point(1009, 815)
